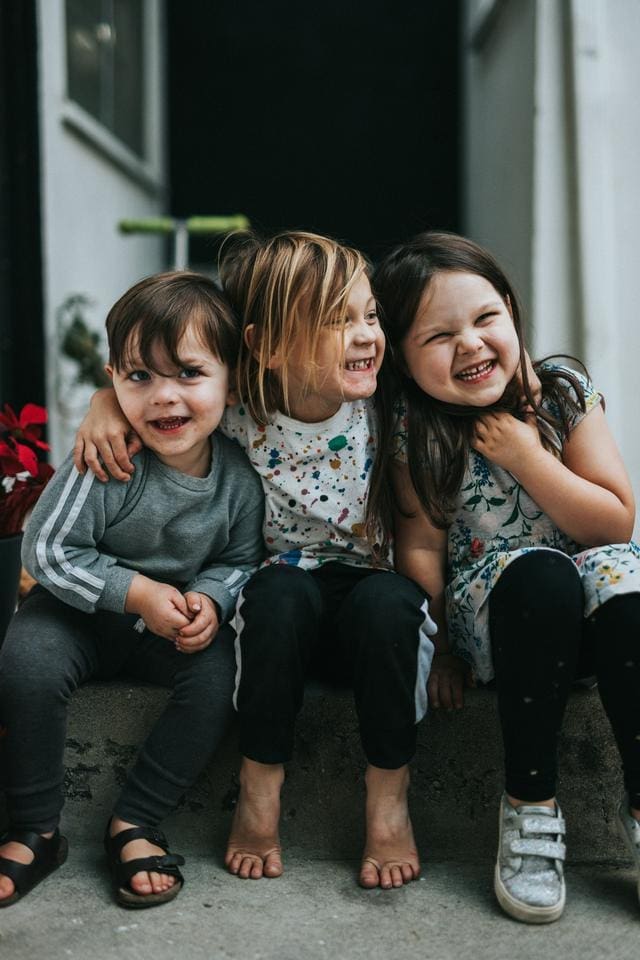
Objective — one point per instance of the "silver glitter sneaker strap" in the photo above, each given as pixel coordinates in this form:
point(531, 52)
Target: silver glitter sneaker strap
point(536, 824)
point(552, 850)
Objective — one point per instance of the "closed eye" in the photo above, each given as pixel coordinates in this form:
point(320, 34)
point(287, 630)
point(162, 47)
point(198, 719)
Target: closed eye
point(437, 336)
point(486, 317)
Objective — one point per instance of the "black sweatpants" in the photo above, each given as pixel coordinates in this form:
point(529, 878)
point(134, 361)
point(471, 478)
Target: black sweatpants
point(52, 648)
point(343, 624)
point(541, 642)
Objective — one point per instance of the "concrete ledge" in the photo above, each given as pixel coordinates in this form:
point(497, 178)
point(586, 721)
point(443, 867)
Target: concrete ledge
point(456, 777)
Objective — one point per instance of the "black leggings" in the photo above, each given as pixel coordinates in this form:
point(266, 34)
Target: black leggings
point(343, 624)
point(50, 650)
point(541, 642)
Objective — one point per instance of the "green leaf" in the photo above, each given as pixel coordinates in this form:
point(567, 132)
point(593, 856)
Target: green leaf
point(512, 518)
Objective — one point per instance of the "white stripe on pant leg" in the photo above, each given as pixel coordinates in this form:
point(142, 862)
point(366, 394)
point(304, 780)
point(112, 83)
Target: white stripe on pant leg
point(425, 657)
point(239, 623)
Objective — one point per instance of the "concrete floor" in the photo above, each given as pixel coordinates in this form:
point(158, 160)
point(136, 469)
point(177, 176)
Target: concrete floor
point(316, 911)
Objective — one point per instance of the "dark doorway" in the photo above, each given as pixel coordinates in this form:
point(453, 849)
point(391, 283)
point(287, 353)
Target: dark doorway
point(339, 117)
point(21, 316)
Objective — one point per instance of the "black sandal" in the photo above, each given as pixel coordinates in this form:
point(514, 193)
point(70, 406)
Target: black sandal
point(48, 854)
point(122, 872)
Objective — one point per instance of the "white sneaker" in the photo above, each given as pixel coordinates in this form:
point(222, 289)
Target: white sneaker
point(629, 830)
point(529, 879)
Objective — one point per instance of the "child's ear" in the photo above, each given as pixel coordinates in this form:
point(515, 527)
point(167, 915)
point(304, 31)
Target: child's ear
point(251, 341)
point(507, 301)
point(108, 369)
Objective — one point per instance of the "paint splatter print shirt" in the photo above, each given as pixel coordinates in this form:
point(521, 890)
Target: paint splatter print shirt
point(315, 478)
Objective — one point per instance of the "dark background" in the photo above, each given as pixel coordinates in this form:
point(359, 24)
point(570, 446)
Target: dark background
point(339, 117)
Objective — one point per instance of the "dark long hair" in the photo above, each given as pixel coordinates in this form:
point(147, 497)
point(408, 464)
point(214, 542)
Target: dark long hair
point(439, 434)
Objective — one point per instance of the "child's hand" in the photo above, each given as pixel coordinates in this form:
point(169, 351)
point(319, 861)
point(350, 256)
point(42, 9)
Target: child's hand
point(203, 627)
point(505, 440)
point(163, 608)
point(105, 437)
point(447, 680)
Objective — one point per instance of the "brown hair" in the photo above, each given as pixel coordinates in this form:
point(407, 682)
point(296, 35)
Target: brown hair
point(160, 308)
point(439, 434)
point(287, 288)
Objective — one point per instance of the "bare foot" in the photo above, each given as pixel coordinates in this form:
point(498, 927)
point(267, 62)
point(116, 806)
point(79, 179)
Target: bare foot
point(19, 853)
point(390, 857)
point(253, 850)
point(142, 882)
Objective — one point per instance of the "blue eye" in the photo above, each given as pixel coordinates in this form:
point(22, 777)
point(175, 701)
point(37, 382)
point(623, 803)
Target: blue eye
point(138, 376)
point(189, 373)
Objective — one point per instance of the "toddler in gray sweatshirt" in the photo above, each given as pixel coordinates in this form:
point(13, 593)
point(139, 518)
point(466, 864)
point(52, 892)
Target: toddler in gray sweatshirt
point(135, 578)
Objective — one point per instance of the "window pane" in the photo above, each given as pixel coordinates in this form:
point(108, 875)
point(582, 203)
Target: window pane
point(84, 54)
point(105, 64)
point(128, 74)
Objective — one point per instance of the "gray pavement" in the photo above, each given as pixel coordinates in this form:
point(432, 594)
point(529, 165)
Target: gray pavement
point(316, 911)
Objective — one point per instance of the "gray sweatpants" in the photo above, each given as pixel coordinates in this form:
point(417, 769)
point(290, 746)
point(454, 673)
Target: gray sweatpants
point(51, 649)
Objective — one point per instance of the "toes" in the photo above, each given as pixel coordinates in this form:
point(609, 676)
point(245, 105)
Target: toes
point(369, 876)
point(146, 883)
point(388, 875)
point(161, 882)
point(409, 873)
point(273, 865)
point(141, 883)
point(251, 866)
point(7, 888)
point(233, 862)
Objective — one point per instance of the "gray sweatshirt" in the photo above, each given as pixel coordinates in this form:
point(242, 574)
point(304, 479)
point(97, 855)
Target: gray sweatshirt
point(86, 540)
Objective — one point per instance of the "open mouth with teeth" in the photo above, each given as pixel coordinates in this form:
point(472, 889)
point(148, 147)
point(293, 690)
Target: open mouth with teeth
point(169, 424)
point(355, 365)
point(479, 372)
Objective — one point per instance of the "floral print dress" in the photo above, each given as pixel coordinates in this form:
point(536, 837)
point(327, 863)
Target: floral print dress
point(496, 522)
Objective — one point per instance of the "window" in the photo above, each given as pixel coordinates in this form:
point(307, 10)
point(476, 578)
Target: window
point(105, 65)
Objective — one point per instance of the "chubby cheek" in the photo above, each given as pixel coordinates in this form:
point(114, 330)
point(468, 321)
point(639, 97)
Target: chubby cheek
point(432, 377)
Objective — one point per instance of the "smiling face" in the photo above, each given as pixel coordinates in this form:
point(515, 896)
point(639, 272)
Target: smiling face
point(173, 409)
point(462, 347)
point(347, 360)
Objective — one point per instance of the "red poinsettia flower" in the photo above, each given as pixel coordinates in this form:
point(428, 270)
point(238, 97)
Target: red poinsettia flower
point(15, 505)
point(28, 426)
point(23, 475)
point(16, 458)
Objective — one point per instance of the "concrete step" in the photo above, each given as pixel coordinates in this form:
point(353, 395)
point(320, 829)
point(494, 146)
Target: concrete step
point(456, 777)
point(316, 912)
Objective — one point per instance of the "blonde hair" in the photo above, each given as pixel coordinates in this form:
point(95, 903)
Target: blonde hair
point(287, 288)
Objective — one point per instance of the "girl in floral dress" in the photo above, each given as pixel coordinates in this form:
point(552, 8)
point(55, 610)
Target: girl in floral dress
point(514, 513)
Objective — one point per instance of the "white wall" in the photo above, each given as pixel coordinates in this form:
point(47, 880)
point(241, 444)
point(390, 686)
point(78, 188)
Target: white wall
point(84, 194)
point(498, 153)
